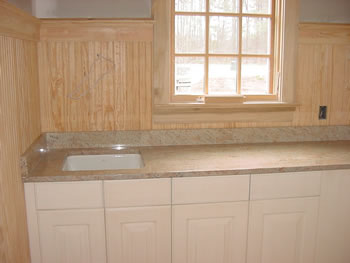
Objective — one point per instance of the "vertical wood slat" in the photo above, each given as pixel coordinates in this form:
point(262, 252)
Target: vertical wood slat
point(20, 126)
point(123, 100)
point(340, 100)
point(111, 79)
point(314, 83)
point(324, 54)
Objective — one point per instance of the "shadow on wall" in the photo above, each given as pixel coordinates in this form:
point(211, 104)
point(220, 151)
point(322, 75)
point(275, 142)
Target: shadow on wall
point(25, 5)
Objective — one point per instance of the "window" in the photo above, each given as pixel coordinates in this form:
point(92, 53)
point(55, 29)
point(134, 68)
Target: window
point(223, 47)
point(208, 49)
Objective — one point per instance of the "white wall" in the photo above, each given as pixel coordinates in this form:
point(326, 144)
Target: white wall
point(26, 5)
point(334, 11)
point(92, 8)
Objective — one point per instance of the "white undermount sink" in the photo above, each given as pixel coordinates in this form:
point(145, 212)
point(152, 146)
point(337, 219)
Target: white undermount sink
point(102, 162)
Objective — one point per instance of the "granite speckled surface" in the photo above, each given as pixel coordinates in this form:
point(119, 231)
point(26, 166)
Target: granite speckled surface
point(30, 159)
point(201, 160)
point(196, 136)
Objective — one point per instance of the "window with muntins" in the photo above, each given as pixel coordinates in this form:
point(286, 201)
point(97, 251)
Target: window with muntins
point(224, 48)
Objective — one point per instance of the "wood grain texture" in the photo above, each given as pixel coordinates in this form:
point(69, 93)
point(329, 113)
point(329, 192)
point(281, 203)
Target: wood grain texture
point(161, 11)
point(312, 33)
point(122, 99)
point(101, 29)
point(200, 113)
point(340, 100)
point(95, 85)
point(20, 126)
point(314, 83)
point(17, 23)
point(323, 74)
point(289, 49)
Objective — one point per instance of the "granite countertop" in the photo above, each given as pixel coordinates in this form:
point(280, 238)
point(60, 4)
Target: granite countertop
point(196, 160)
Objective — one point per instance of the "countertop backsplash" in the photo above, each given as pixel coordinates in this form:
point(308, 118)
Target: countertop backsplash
point(195, 137)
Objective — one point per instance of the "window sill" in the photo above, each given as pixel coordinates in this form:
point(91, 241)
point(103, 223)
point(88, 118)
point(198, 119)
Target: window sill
point(244, 112)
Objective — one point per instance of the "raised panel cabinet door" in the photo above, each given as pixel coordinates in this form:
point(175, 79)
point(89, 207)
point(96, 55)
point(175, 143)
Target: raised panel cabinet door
point(282, 230)
point(72, 236)
point(334, 223)
point(139, 234)
point(208, 233)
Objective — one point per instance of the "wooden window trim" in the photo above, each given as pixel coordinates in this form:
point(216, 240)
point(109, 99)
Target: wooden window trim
point(284, 74)
point(206, 55)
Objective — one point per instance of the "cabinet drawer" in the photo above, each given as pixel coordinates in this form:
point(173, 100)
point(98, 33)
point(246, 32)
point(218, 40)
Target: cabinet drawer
point(69, 195)
point(210, 189)
point(139, 192)
point(285, 185)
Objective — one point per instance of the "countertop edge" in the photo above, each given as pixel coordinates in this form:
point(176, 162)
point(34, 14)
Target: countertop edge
point(135, 176)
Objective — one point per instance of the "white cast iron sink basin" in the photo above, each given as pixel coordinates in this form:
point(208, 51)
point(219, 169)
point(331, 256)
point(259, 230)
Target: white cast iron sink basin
point(102, 162)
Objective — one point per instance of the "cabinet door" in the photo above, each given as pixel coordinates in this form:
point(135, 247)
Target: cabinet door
point(139, 235)
point(207, 233)
point(334, 223)
point(282, 230)
point(72, 236)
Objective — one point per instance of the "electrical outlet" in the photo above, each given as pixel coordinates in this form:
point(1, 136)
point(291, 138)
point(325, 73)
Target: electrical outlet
point(322, 114)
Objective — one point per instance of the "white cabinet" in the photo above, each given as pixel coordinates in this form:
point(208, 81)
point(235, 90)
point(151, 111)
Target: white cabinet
point(66, 222)
point(210, 189)
point(285, 185)
point(282, 230)
point(334, 219)
point(70, 222)
point(267, 218)
point(283, 216)
point(139, 234)
point(138, 221)
point(72, 236)
point(207, 233)
point(210, 219)
point(141, 192)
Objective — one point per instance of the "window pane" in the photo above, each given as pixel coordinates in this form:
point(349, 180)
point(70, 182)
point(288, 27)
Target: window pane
point(190, 5)
point(256, 35)
point(189, 34)
point(223, 35)
point(222, 75)
point(224, 6)
point(255, 76)
point(257, 6)
point(189, 75)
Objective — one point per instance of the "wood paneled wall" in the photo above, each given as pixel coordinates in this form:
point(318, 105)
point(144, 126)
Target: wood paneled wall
point(20, 125)
point(117, 88)
point(97, 75)
point(323, 79)
point(324, 74)
point(94, 81)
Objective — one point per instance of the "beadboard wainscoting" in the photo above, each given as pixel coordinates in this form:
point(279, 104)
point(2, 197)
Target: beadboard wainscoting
point(323, 74)
point(20, 124)
point(96, 75)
